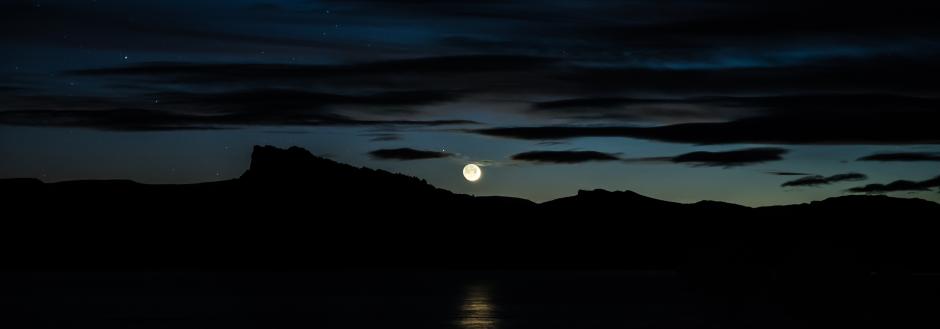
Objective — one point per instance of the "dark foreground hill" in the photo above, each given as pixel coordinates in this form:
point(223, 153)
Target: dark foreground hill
point(291, 209)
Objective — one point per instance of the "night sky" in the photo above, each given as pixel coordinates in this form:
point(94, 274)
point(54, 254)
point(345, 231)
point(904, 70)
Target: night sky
point(757, 104)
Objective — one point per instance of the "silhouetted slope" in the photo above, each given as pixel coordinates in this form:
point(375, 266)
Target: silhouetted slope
point(609, 201)
point(19, 182)
point(295, 210)
point(295, 173)
point(707, 205)
point(866, 204)
point(297, 166)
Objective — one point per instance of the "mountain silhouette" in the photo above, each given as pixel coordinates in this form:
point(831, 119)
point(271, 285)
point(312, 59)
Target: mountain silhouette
point(292, 209)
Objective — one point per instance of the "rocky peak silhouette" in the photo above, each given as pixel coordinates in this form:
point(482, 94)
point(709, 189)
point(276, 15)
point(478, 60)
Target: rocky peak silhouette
point(272, 164)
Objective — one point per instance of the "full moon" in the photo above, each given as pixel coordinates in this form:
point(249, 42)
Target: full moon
point(472, 172)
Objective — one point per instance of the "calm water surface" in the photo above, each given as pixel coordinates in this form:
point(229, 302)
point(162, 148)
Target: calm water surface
point(376, 299)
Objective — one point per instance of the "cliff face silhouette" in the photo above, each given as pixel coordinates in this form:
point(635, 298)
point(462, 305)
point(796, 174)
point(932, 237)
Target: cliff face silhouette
point(292, 209)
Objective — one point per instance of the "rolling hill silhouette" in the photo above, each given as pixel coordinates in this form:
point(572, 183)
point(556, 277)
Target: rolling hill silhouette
point(292, 209)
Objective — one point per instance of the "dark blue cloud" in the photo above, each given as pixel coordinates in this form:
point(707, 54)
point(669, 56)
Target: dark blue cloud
point(902, 157)
point(817, 180)
point(565, 157)
point(898, 186)
point(407, 154)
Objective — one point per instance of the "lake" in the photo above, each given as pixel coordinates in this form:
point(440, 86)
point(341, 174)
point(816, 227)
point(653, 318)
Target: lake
point(406, 299)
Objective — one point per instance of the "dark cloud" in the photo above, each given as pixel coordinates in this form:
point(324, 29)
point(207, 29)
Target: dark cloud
point(731, 158)
point(632, 109)
point(291, 99)
point(898, 186)
point(11, 89)
point(817, 180)
point(121, 26)
point(383, 137)
point(670, 33)
point(115, 120)
point(869, 74)
point(907, 156)
point(793, 119)
point(406, 154)
point(454, 73)
point(591, 103)
point(864, 128)
point(287, 132)
point(214, 110)
point(723, 108)
point(787, 173)
point(565, 157)
point(553, 75)
point(129, 119)
point(848, 114)
point(718, 24)
point(30, 101)
point(713, 159)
